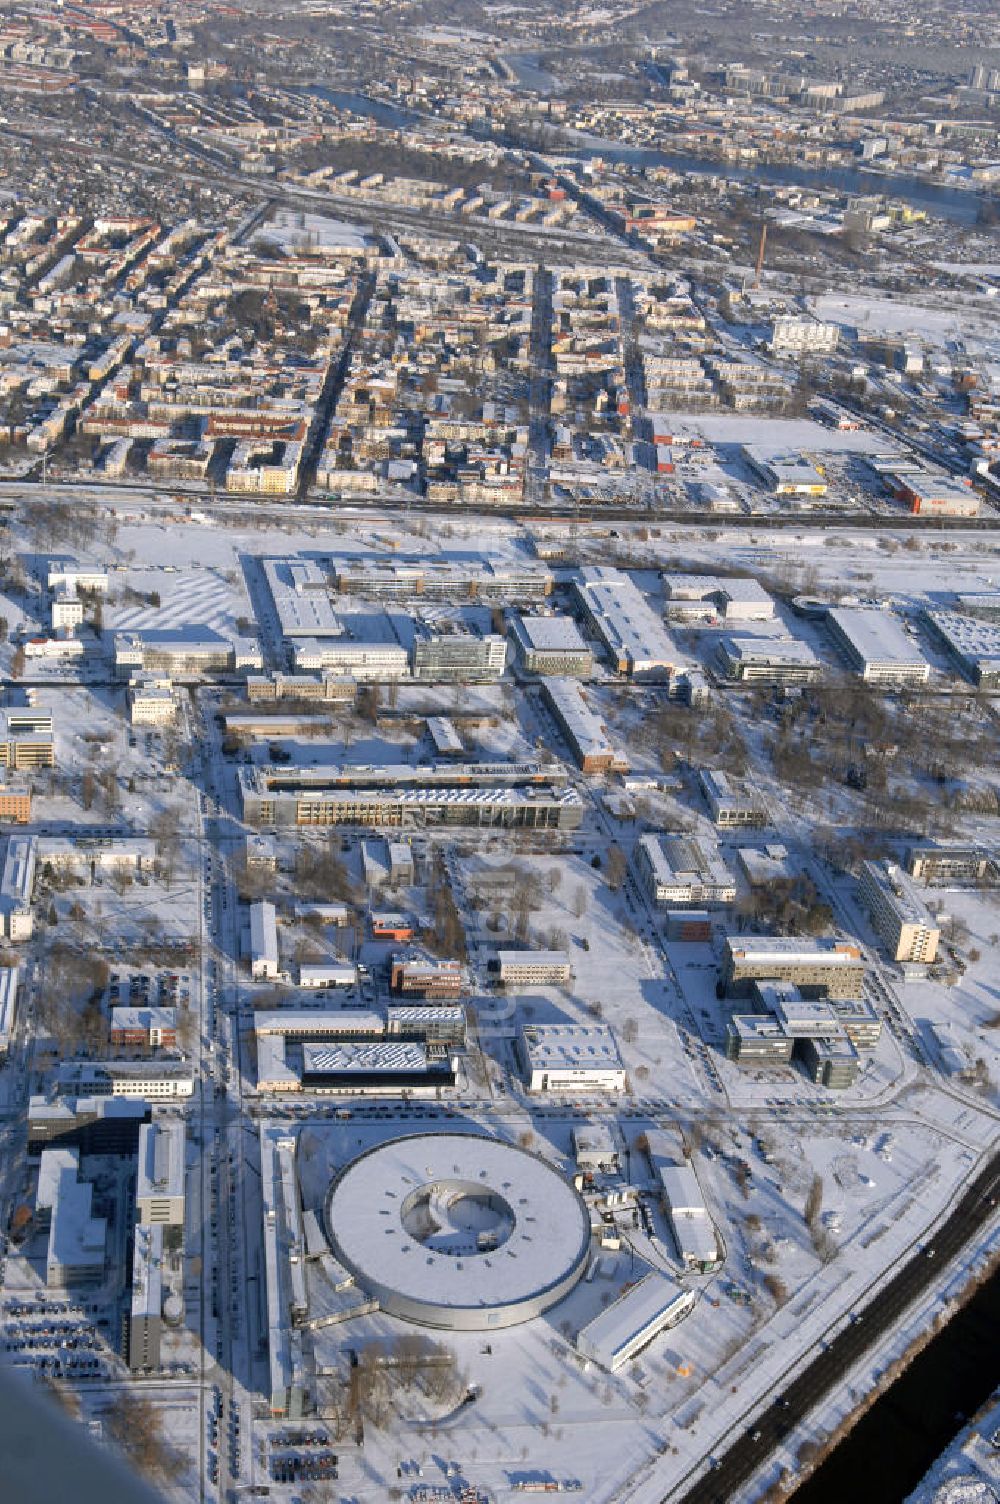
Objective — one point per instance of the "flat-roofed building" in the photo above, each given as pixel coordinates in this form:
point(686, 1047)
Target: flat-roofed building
point(26, 738)
point(833, 1063)
point(146, 1299)
point(151, 700)
point(876, 646)
point(934, 863)
point(426, 976)
point(445, 738)
point(10, 977)
point(435, 1025)
point(630, 1323)
point(363, 662)
point(693, 1232)
point(678, 869)
point(552, 645)
point(824, 967)
point(595, 1148)
point(772, 864)
point(592, 748)
point(77, 1239)
point(732, 803)
point(571, 1057)
point(159, 1191)
point(326, 976)
point(531, 968)
point(757, 1040)
point(973, 644)
point(15, 803)
point(633, 635)
point(285, 1300)
point(264, 962)
point(94, 1125)
point(387, 1066)
point(786, 474)
point(147, 1028)
point(17, 882)
point(159, 1080)
point(457, 657)
point(319, 1023)
point(777, 661)
point(898, 913)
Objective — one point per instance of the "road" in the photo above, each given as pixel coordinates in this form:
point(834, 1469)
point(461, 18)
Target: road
point(864, 1333)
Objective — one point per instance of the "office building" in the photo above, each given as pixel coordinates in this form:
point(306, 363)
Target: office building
point(93, 1125)
point(146, 1028)
point(285, 1300)
point(159, 1192)
point(973, 644)
point(501, 796)
point(15, 803)
point(876, 646)
point(531, 968)
point(425, 976)
point(571, 1058)
point(151, 700)
point(76, 1249)
point(676, 869)
point(732, 803)
point(26, 739)
point(17, 882)
point(382, 1067)
point(898, 913)
point(146, 1300)
point(819, 968)
point(9, 980)
point(778, 662)
point(552, 645)
point(933, 863)
point(587, 735)
point(457, 657)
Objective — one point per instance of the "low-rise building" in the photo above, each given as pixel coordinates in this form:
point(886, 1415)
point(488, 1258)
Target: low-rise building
point(151, 700)
point(690, 1224)
point(571, 1058)
point(775, 661)
point(552, 645)
point(159, 1192)
point(933, 863)
point(819, 968)
point(425, 976)
point(630, 1323)
point(147, 1028)
point(876, 646)
point(587, 735)
point(146, 1299)
point(264, 962)
point(732, 803)
point(676, 869)
point(531, 968)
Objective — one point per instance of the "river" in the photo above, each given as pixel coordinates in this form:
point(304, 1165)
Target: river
point(889, 1451)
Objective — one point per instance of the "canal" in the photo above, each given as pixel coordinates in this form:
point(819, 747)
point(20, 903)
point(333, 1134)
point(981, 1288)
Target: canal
point(893, 1446)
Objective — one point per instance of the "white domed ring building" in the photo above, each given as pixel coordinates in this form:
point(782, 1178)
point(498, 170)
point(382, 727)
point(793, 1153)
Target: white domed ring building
point(458, 1231)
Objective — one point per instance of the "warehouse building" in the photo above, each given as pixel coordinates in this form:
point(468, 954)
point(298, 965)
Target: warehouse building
point(898, 913)
point(819, 968)
point(676, 869)
point(587, 735)
point(635, 639)
point(876, 646)
point(732, 599)
point(973, 644)
point(785, 474)
point(571, 1058)
point(552, 645)
point(693, 1232)
point(928, 493)
point(631, 1323)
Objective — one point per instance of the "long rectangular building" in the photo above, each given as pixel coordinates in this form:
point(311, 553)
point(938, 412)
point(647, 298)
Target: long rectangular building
point(639, 645)
point(876, 646)
point(505, 796)
point(587, 735)
point(679, 869)
point(898, 913)
point(829, 968)
point(631, 1322)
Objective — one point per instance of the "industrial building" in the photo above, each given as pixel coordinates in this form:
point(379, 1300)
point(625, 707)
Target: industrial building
point(819, 968)
point(634, 637)
point(587, 735)
point(570, 1057)
point(973, 644)
point(631, 1323)
point(732, 803)
point(499, 796)
point(322, 978)
point(876, 646)
point(779, 662)
point(676, 869)
point(552, 645)
point(693, 1232)
point(428, 1227)
point(898, 913)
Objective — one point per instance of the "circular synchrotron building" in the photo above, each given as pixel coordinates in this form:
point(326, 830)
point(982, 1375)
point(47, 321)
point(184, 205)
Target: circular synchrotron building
point(458, 1231)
